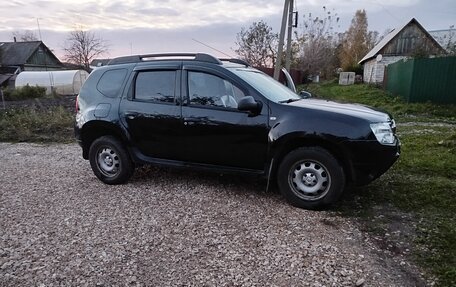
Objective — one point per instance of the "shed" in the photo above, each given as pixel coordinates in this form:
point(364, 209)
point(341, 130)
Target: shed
point(67, 82)
point(408, 40)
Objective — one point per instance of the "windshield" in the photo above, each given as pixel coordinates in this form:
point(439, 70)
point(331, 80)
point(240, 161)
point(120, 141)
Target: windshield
point(267, 86)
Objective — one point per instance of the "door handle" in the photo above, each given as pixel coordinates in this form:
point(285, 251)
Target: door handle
point(194, 120)
point(131, 116)
point(191, 121)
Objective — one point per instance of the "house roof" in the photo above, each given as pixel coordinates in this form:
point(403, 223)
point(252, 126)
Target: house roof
point(388, 38)
point(8, 70)
point(18, 53)
point(4, 78)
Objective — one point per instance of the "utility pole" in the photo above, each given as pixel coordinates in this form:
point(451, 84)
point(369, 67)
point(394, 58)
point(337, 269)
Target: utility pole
point(290, 30)
point(278, 64)
point(287, 15)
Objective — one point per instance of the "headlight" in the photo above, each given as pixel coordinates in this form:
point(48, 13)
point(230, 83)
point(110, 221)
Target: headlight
point(383, 132)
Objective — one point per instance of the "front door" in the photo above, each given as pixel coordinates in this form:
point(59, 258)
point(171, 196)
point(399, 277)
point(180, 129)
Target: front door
point(215, 131)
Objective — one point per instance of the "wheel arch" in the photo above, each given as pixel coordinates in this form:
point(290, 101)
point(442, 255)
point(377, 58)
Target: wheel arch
point(95, 129)
point(287, 145)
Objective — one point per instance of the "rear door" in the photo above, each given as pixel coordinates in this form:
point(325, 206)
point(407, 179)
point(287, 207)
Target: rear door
point(152, 111)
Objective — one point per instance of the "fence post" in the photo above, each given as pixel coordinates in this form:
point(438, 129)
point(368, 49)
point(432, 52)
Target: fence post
point(3, 98)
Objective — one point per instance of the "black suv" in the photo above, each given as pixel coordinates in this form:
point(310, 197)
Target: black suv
point(200, 112)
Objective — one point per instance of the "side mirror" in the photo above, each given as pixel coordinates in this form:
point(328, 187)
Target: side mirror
point(305, 95)
point(248, 104)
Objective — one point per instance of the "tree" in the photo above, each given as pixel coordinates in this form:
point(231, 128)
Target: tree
point(357, 41)
point(257, 44)
point(25, 36)
point(317, 44)
point(450, 46)
point(372, 39)
point(83, 46)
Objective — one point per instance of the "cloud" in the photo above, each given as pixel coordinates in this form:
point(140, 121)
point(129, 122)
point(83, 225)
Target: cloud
point(64, 15)
point(350, 3)
point(159, 12)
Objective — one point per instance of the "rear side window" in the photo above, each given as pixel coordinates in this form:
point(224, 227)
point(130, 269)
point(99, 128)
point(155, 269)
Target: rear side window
point(157, 86)
point(111, 82)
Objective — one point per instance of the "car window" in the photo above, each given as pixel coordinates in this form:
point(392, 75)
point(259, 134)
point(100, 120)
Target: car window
point(111, 82)
point(209, 90)
point(155, 86)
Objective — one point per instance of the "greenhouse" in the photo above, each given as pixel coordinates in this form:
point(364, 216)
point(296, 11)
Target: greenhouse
point(67, 82)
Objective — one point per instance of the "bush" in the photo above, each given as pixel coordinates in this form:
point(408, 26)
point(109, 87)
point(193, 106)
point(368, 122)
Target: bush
point(357, 68)
point(35, 125)
point(23, 93)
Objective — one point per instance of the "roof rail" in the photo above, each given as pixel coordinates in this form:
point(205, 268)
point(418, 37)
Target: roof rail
point(149, 57)
point(236, 61)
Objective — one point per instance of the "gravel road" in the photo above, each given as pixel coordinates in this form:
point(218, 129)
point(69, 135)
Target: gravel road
point(60, 226)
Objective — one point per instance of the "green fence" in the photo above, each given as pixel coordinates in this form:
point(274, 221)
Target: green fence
point(423, 80)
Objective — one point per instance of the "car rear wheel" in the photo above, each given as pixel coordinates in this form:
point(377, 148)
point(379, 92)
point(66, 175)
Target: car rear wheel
point(110, 161)
point(311, 178)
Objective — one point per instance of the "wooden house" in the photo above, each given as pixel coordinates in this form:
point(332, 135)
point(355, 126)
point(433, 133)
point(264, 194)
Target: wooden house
point(409, 40)
point(16, 57)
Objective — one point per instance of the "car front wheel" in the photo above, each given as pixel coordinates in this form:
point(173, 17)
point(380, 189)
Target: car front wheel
point(110, 161)
point(311, 178)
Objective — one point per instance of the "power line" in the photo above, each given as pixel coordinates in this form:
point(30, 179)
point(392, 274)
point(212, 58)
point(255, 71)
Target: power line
point(204, 44)
point(387, 11)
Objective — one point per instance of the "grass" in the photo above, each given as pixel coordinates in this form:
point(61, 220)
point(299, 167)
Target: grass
point(54, 124)
point(375, 97)
point(420, 186)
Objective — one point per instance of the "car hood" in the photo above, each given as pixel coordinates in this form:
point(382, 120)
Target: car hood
point(355, 110)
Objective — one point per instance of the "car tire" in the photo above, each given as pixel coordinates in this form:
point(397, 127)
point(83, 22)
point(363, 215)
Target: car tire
point(110, 160)
point(310, 178)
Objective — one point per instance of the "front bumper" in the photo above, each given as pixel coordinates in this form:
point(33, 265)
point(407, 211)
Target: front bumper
point(370, 159)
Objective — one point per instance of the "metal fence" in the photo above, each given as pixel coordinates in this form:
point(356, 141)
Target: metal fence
point(423, 80)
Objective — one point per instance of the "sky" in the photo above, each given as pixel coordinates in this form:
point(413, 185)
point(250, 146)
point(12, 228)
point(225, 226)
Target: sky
point(153, 26)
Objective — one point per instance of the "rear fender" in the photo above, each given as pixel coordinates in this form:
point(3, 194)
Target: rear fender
point(95, 129)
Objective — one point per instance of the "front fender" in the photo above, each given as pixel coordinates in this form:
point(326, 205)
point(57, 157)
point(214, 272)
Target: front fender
point(287, 136)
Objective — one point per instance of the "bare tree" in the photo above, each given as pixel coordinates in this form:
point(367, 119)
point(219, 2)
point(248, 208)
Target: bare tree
point(451, 44)
point(384, 34)
point(257, 44)
point(82, 47)
point(450, 41)
point(317, 44)
point(25, 36)
point(372, 39)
